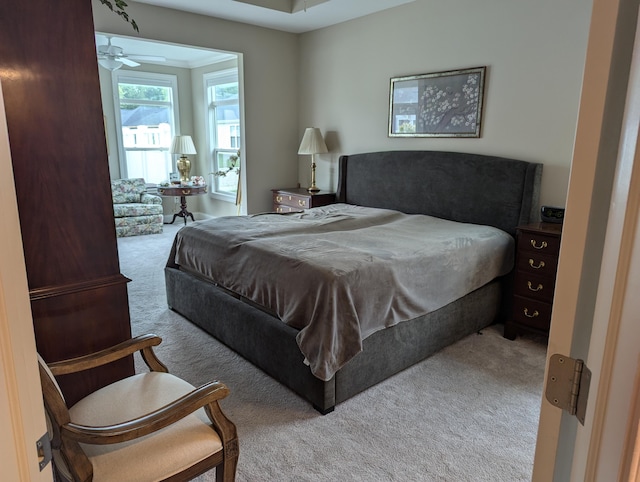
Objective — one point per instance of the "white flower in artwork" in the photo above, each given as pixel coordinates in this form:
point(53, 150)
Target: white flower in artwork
point(449, 104)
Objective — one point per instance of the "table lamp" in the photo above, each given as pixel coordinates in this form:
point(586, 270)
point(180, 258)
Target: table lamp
point(312, 143)
point(183, 145)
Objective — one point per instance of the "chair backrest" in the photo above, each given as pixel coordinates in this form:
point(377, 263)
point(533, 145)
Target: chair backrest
point(127, 190)
point(57, 414)
point(50, 389)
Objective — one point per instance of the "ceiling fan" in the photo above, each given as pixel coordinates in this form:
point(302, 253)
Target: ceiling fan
point(112, 57)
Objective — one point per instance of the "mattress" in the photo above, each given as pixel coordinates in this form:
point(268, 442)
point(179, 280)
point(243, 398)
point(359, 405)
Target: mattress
point(340, 273)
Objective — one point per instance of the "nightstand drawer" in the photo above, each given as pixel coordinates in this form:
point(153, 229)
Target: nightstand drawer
point(536, 287)
point(537, 264)
point(281, 208)
point(540, 243)
point(531, 313)
point(291, 200)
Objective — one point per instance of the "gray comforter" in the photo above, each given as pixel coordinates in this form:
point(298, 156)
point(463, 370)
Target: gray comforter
point(340, 273)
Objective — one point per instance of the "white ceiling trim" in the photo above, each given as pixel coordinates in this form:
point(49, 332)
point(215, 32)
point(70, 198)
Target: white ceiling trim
point(287, 6)
point(285, 15)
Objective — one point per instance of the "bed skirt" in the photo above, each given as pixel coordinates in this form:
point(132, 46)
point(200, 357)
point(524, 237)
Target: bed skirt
point(271, 345)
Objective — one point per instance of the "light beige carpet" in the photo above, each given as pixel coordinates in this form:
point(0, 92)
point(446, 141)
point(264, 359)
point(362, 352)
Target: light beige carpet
point(468, 413)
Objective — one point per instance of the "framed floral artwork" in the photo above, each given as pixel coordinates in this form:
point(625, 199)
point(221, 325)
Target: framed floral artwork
point(440, 104)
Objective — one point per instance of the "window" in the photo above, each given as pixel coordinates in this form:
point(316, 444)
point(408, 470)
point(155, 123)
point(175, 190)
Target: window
point(224, 134)
point(147, 107)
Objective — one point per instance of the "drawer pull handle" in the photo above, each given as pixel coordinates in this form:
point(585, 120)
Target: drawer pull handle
point(278, 198)
point(186, 192)
point(533, 315)
point(534, 289)
point(301, 203)
point(540, 264)
point(535, 244)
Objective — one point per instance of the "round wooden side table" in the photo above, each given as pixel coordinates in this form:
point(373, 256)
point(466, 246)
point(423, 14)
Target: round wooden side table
point(183, 192)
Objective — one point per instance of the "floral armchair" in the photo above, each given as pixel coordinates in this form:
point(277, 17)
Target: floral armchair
point(136, 212)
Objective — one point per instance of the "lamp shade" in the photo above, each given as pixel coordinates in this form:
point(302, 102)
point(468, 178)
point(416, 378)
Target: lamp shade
point(183, 145)
point(312, 142)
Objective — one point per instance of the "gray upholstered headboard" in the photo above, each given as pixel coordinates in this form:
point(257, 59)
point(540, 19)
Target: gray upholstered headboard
point(469, 188)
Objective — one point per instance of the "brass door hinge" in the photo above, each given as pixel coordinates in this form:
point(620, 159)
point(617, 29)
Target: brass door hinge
point(568, 385)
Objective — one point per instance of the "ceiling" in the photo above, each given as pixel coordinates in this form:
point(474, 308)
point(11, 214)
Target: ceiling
point(175, 55)
point(285, 15)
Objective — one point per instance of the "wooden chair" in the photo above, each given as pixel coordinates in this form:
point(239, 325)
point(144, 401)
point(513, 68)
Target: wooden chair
point(148, 427)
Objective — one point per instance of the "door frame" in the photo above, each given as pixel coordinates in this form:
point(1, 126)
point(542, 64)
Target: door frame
point(21, 407)
point(592, 282)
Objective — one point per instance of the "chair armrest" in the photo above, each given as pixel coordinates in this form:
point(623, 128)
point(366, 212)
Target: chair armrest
point(149, 423)
point(147, 198)
point(111, 354)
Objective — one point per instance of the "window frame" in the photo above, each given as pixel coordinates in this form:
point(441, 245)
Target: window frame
point(143, 78)
point(210, 79)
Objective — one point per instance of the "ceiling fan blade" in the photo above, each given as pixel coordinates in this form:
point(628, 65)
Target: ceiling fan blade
point(149, 58)
point(128, 62)
point(113, 52)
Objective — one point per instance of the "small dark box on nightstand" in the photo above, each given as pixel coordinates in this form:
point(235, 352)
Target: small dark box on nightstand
point(549, 214)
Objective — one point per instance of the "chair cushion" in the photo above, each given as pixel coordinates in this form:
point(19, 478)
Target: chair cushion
point(138, 229)
point(127, 190)
point(136, 209)
point(155, 456)
point(154, 220)
point(122, 198)
point(150, 199)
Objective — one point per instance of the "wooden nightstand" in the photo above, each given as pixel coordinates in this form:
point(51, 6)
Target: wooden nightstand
point(296, 199)
point(537, 250)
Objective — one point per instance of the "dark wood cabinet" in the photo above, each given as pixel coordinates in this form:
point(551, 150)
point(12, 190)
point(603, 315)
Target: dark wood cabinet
point(296, 199)
point(537, 250)
point(56, 134)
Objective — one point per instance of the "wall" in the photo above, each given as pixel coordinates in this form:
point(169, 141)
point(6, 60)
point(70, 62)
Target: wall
point(270, 69)
point(337, 79)
point(534, 52)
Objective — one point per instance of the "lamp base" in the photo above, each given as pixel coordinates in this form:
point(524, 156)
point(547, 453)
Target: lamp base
point(313, 187)
point(184, 167)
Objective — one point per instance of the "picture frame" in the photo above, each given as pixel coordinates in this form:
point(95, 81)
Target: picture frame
point(439, 104)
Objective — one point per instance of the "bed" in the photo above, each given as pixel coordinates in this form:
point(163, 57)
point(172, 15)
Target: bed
point(214, 267)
